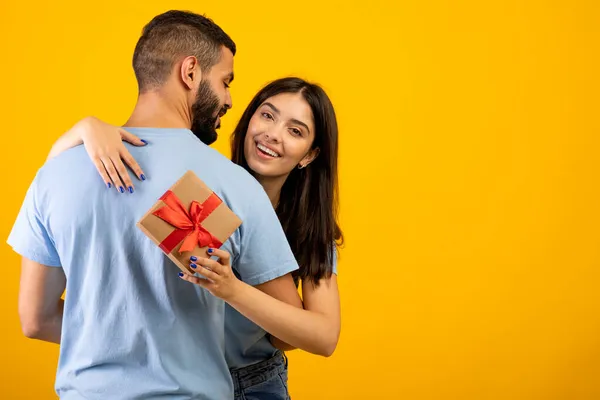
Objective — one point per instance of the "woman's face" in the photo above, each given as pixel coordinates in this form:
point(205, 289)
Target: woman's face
point(280, 136)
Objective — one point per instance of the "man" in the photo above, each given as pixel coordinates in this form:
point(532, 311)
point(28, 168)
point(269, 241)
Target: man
point(129, 327)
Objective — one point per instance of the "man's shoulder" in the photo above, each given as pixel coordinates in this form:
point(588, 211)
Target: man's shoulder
point(223, 172)
point(67, 164)
point(231, 179)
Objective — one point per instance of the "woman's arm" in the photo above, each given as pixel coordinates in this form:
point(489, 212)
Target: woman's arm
point(72, 138)
point(315, 329)
point(325, 300)
point(104, 144)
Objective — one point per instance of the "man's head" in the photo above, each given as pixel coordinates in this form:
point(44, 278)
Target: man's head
point(194, 53)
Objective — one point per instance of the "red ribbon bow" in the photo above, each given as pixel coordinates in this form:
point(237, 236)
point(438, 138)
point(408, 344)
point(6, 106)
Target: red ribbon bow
point(188, 225)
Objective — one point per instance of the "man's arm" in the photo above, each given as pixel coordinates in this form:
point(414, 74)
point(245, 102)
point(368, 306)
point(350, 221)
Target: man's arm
point(40, 303)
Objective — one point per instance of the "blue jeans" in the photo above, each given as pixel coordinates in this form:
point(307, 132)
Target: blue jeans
point(266, 380)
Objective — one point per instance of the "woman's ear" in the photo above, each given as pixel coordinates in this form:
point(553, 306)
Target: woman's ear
point(308, 158)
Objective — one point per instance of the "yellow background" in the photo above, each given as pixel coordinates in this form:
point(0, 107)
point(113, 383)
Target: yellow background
point(468, 168)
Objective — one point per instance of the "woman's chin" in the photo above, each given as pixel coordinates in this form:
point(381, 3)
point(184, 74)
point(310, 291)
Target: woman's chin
point(260, 170)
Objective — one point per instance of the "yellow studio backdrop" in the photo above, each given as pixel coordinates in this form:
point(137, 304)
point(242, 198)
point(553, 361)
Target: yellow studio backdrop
point(468, 171)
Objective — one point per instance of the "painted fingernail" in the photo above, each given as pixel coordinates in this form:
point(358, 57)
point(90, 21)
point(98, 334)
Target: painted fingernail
point(143, 177)
point(210, 251)
point(130, 189)
point(181, 274)
point(193, 258)
point(143, 141)
point(109, 185)
point(193, 265)
point(121, 189)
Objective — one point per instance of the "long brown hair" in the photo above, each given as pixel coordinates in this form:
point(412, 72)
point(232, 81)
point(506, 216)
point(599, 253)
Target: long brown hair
point(308, 202)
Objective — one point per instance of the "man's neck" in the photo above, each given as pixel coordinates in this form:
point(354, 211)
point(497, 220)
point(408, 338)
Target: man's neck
point(160, 109)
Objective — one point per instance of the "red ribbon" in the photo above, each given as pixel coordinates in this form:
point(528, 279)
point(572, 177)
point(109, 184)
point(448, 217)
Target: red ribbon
point(188, 225)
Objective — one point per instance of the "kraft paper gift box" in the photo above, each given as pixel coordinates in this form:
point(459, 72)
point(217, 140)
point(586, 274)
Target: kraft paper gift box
point(187, 220)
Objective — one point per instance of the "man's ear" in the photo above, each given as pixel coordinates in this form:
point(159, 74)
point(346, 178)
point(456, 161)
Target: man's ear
point(190, 72)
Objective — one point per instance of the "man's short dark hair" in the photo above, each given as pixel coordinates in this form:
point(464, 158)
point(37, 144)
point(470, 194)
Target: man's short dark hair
point(171, 36)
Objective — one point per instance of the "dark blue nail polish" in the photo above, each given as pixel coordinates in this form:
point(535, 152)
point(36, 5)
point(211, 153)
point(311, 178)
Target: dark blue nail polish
point(109, 185)
point(193, 265)
point(143, 177)
point(121, 189)
point(180, 274)
point(143, 141)
point(210, 251)
point(130, 189)
point(193, 258)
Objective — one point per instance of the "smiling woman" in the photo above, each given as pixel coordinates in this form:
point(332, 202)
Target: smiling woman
point(280, 137)
point(296, 121)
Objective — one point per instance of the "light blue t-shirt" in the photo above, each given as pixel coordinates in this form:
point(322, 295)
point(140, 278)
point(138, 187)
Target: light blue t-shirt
point(246, 342)
point(132, 329)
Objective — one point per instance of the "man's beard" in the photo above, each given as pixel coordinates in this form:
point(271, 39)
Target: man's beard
point(205, 112)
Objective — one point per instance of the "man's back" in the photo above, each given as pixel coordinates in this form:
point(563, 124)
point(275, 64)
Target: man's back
point(131, 327)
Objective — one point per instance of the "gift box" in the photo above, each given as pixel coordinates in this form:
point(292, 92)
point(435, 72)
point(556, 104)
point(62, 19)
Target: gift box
point(187, 220)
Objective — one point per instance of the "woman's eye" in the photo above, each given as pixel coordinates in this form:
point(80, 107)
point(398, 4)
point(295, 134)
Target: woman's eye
point(267, 115)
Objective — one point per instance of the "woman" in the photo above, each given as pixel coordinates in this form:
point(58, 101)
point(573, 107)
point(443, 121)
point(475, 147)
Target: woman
point(287, 139)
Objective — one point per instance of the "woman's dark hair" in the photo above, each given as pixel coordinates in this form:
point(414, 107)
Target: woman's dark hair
point(308, 202)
